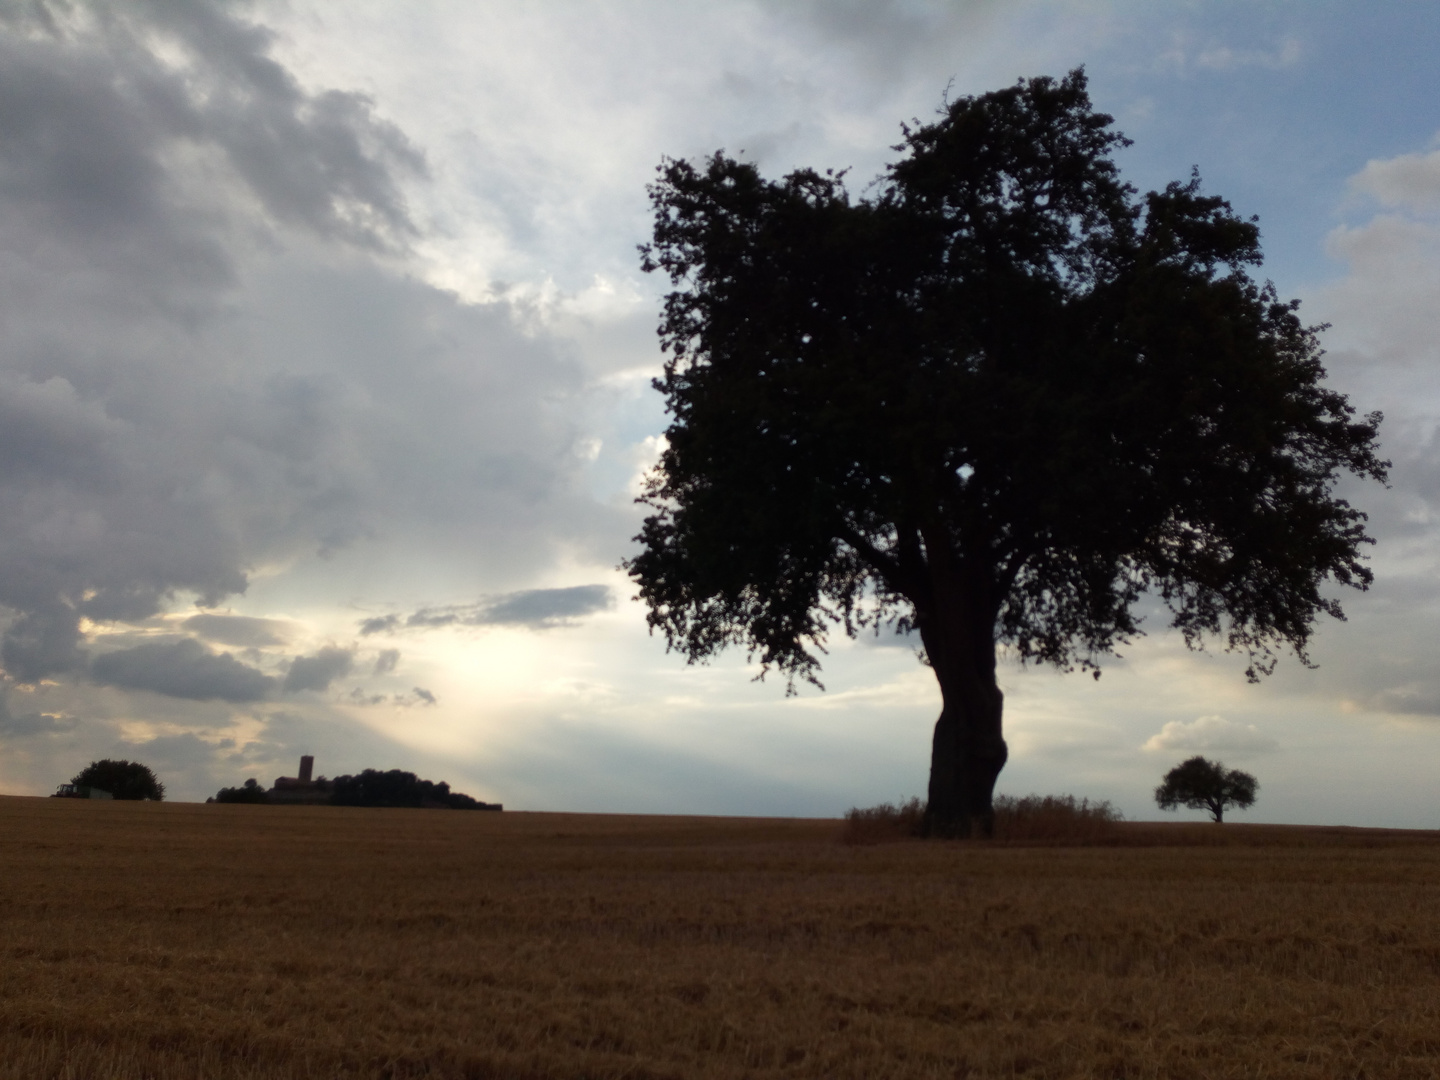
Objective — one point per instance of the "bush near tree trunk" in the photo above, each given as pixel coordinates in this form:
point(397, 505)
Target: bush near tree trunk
point(1045, 819)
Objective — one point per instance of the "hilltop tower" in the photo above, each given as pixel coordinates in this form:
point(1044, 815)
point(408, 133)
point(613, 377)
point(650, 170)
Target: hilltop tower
point(302, 789)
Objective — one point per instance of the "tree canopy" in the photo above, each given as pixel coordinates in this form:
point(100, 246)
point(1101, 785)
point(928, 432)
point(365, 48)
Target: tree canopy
point(249, 792)
point(994, 401)
point(1201, 784)
point(122, 779)
point(394, 787)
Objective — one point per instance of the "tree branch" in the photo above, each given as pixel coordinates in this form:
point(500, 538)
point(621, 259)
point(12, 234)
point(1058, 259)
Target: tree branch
point(881, 562)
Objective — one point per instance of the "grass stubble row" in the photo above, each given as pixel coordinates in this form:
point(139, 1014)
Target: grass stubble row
point(182, 940)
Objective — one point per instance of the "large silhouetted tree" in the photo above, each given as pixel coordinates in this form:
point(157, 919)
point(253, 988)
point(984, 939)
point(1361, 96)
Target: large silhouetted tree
point(996, 400)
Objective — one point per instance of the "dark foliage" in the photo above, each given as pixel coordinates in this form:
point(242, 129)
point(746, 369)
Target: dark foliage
point(396, 788)
point(250, 792)
point(122, 779)
point(1201, 784)
point(995, 401)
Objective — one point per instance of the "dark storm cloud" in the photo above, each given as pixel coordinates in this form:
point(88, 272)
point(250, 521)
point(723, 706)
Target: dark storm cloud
point(380, 624)
point(319, 671)
point(91, 104)
point(321, 161)
point(43, 641)
point(540, 608)
point(29, 723)
point(242, 631)
point(1419, 698)
point(47, 432)
point(133, 141)
point(535, 609)
point(211, 360)
point(417, 695)
point(182, 669)
point(890, 40)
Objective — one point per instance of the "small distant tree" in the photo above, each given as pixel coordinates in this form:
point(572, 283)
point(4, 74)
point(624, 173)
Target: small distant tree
point(1201, 784)
point(250, 792)
point(122, 779)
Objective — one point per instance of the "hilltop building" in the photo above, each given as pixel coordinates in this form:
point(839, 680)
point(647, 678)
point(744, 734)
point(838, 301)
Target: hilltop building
point(301, 790)
point(371, 787)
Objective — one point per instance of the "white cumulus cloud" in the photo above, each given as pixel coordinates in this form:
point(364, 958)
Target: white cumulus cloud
point(1411, 181)
point(1210, 734)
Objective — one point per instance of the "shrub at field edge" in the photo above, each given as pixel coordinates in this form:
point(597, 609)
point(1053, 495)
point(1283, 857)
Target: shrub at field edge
point(1032, 819)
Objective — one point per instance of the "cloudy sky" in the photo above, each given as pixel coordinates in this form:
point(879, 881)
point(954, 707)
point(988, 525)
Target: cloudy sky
point(324, 389)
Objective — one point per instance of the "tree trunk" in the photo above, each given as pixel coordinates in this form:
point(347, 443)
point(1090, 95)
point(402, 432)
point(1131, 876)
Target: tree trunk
point(968, 750)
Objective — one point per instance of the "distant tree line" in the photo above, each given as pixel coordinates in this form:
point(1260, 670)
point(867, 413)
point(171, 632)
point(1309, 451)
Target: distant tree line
point(372, 787)
point(395, 788)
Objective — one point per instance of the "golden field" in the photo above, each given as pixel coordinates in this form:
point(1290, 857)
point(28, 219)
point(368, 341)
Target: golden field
point(184, 940)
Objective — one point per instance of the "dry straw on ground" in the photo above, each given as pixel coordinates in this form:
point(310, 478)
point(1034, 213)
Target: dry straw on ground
point(269, 943)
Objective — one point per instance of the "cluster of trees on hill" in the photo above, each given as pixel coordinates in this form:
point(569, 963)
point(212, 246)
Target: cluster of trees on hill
point(396, 788)
point(249, 792)
point(126, 780)
point(373, 788)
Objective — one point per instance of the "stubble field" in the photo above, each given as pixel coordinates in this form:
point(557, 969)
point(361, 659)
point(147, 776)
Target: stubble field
point(181, 940)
